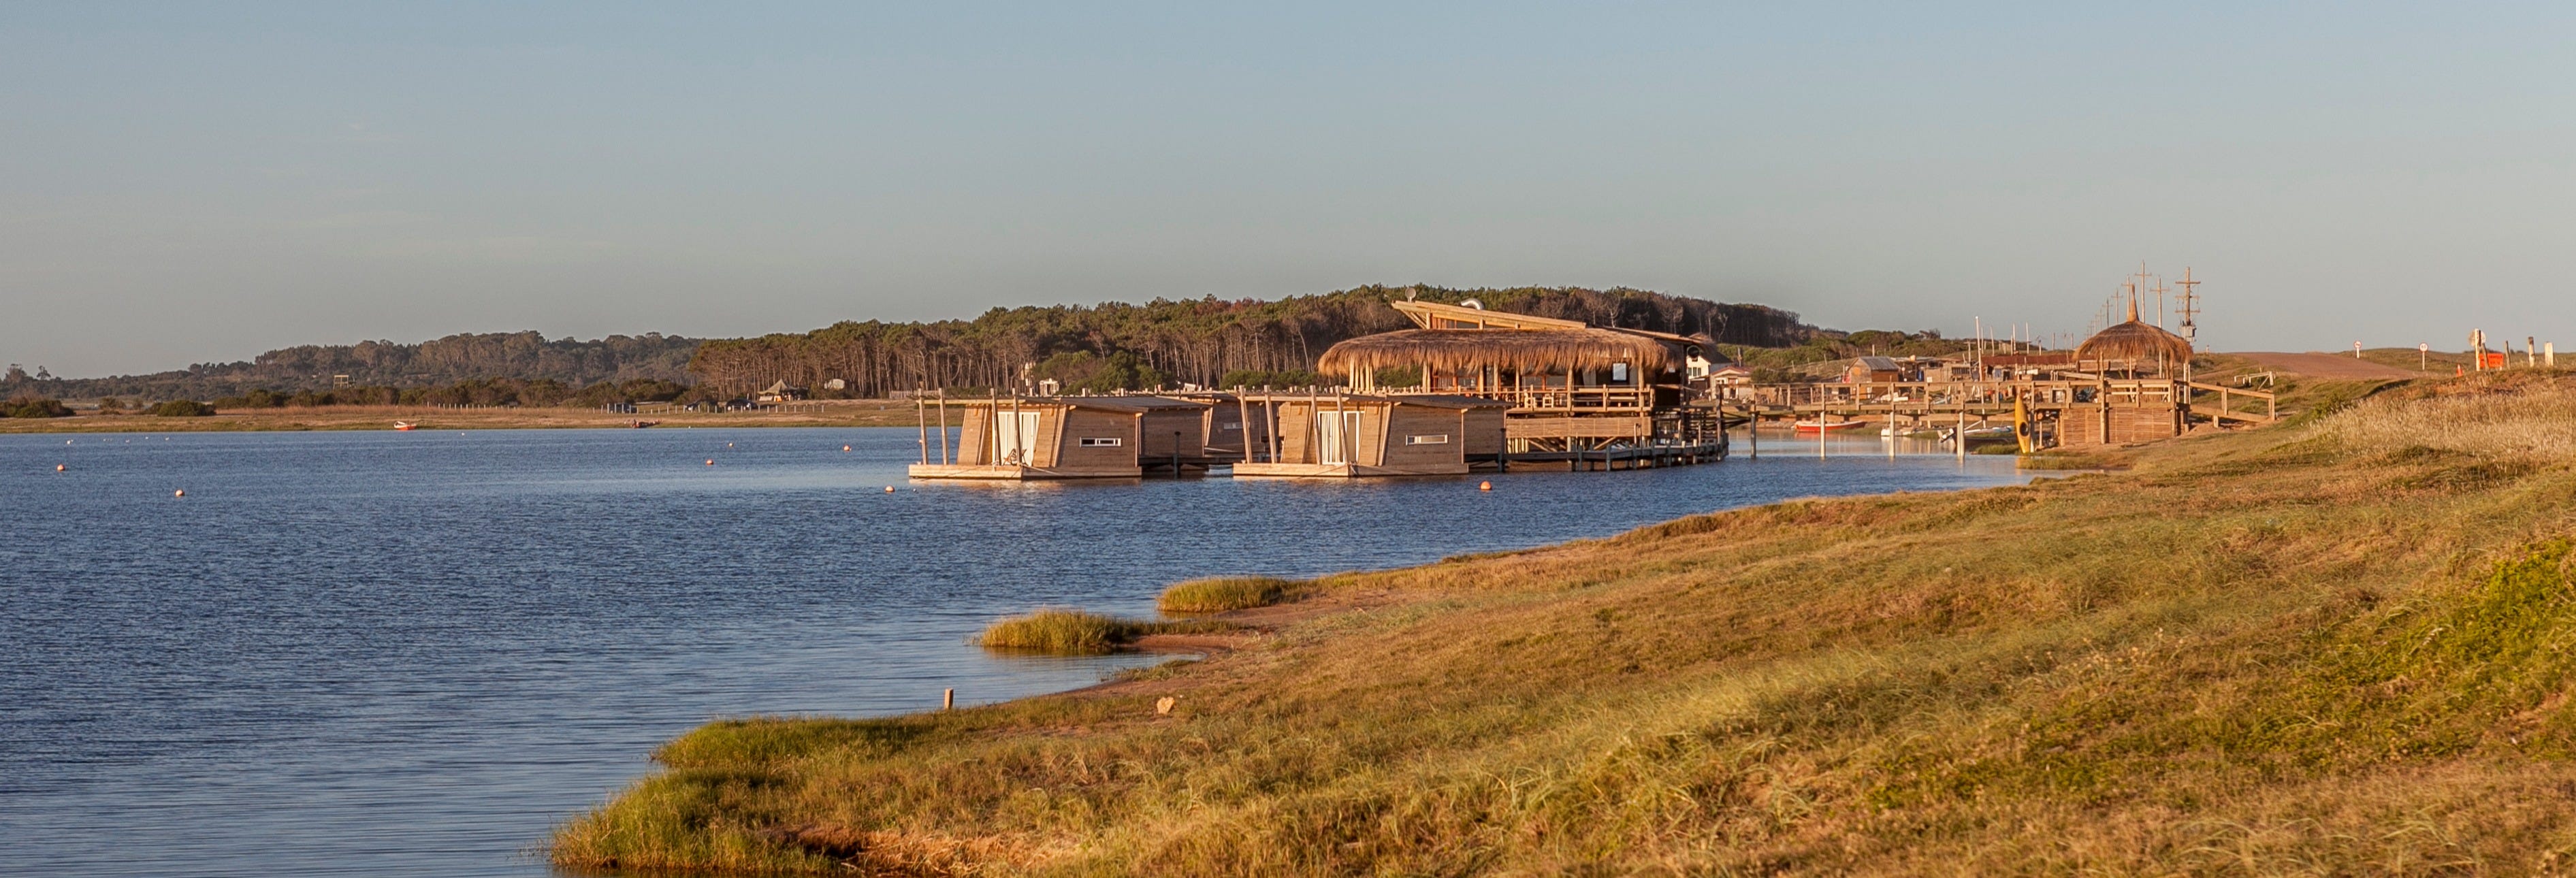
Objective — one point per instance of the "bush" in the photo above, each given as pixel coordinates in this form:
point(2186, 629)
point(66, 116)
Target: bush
point(35, 407)
point(1224, 593)
point(181, 408)
point(1074, 632)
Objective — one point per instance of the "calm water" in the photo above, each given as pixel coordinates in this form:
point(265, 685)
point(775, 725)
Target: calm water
point(412, 653)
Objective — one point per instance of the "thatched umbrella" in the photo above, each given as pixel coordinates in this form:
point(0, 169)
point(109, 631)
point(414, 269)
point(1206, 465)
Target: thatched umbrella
point(1520, 350)
point(2135, 342)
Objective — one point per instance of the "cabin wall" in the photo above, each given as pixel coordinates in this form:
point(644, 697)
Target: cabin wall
point(1160, 425)
point(2128, 425)
point(1227, 432)
point(1406, 421)
point(1081, 423)
point(1484, 432)
point(975, 437)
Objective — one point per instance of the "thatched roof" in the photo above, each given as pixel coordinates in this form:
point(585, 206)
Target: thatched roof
point(1522, 350)
point(2135, 342)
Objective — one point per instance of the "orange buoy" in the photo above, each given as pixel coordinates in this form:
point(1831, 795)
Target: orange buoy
point(711, 461)
point(178, 493)
point(889, 489)
point(58, 467)
point(845, 448)
point(1484, 486)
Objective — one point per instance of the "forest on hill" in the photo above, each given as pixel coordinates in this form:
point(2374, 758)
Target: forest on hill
point(525, 356)
point(1209, 342)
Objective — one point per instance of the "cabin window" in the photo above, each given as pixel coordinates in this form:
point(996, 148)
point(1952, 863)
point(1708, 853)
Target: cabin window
point(1015, 437)
point(1435, 439)
point(1230, 427)
point(1103, 441)
point(1618, 373)
point(1337, 436)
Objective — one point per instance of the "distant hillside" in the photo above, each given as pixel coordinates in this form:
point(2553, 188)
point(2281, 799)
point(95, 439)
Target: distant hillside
point(1113, 345)
point(1201, 341)
point(522, 355)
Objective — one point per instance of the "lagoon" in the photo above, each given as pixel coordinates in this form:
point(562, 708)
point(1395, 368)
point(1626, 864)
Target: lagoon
point(413, 653)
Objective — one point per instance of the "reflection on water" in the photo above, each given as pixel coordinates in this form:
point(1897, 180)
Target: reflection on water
point(414, 652)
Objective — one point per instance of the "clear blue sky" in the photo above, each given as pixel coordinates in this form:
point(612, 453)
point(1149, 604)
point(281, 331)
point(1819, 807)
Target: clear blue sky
point(195, 182)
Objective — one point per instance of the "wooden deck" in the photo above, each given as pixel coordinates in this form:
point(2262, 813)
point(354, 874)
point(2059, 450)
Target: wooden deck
point(1014, 472)
point(1342, 470)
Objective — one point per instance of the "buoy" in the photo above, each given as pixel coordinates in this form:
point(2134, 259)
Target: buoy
point(728, 445)
point(58, 467)
point(889, 489)
point(845, 448)
point(178, 493)
point(1484, 486)
point(711, 461)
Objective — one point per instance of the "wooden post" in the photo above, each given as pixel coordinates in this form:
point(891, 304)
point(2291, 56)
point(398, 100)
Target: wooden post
point(948, 698)
point(921, 416)
point(1243, 427)
point(1959, 435)
point(943, 427)
point(1752, 433)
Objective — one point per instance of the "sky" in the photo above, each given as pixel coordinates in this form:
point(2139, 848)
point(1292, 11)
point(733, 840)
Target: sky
point(185, 183)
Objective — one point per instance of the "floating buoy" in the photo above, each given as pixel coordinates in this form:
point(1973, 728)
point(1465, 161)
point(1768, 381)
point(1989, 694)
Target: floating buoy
point(845, 448)
point(178, 493)
point(728, 445)
point(1484, 486)
point(58, 467)
point(889, 489)
point(711, 461)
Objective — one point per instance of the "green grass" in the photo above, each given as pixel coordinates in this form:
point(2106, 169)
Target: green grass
point(1074, 632)
point(1224, 593)
point(2336, 648)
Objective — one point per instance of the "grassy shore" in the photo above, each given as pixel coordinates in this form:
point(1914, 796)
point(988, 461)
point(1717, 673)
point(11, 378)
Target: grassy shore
point(2332, 647)
point(850, 413)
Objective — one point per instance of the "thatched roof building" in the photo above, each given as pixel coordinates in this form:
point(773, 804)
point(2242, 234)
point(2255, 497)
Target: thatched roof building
point(1522, 350)
point(2135, 342)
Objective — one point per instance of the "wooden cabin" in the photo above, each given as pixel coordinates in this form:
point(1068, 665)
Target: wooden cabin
point(1572, 388)
point(1060, 437)
point(1342, 435)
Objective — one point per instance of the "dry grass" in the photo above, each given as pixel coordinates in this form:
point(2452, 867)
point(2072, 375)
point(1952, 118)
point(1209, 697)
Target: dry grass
point(1220, 594)
point(2302, 650)
point(1074, 632)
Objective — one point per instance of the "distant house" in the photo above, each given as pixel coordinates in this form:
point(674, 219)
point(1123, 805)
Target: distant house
point(780, 392)
point(1864, 370)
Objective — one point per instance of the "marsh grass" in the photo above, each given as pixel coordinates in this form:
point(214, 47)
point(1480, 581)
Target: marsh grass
point(1074, 632)
point(1225, 593)
point(2318, 649)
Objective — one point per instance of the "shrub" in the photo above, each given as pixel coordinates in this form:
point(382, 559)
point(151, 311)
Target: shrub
point(35, 407)
point(1074, 632)
point(181, 408)
point(1224, 593)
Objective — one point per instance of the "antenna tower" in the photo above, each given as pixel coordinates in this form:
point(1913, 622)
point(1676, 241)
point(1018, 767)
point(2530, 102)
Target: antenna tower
point(2190, 307)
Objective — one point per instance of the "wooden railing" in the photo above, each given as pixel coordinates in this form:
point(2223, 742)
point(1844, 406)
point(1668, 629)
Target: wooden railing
point(1564, 399)
point(1903, 397)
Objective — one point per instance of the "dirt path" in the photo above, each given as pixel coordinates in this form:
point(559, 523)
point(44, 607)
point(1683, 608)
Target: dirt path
point(2327, 366)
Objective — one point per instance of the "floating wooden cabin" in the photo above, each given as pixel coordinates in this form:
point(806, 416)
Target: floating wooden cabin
point(1574, 391)
point(1062, 437)
point(1343, 435)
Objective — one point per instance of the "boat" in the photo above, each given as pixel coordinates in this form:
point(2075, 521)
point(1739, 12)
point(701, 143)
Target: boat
point(643, 424)
point(405, 425)
point(1825, 426)
point(1983, 435)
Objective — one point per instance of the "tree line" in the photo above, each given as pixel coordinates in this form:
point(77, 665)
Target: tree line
point(525, 356)
point(1209, 342)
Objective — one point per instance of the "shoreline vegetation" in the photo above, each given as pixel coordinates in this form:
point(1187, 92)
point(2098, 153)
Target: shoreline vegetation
point(2336, 645)
point(833, 413)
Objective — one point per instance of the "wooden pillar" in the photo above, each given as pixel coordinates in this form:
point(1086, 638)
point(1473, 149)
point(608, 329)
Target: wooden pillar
point(921, 417)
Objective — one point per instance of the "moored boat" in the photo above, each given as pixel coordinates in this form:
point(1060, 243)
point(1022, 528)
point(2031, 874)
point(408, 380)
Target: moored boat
point(405, 425)
point(1829, 426)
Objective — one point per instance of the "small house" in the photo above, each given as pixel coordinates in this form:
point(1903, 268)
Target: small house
point(1341, 435)
point(1059, 437)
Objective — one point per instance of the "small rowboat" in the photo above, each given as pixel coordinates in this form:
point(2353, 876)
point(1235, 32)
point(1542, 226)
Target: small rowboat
point(1826, 426)
point(405, 425)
